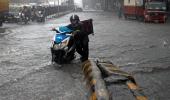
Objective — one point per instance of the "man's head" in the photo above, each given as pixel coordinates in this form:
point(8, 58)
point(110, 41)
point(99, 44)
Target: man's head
point(25, 7)
point(74, 19)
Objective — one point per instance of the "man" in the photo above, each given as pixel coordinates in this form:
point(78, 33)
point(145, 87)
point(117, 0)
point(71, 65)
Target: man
point(119, 10)
point(80, 37)
point(26, 11)
point(33, 13)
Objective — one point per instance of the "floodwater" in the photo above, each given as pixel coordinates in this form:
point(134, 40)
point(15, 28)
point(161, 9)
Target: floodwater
point(142, 49)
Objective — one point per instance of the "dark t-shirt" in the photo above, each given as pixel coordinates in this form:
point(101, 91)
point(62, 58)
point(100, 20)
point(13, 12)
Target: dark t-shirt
point(82, 36)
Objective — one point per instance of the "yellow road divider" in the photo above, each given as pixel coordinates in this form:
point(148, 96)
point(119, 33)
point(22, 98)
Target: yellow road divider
point(110, 69)
point(94, 79)
point(96, 74)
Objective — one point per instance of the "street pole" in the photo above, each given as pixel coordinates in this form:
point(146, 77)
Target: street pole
point(58, 6)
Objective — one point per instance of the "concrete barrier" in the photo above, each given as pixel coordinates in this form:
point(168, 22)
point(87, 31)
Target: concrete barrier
point(95, 81)
point(99, 75)
point(120, 77)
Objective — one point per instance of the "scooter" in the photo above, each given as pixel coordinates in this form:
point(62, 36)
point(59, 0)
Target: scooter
point(40, 16)
point(60, 51)
point(23, 18)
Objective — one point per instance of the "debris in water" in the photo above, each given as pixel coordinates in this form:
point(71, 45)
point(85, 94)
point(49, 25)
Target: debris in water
point(165, 43)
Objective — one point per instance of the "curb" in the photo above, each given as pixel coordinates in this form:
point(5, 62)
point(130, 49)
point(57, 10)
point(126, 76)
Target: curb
point(57, 15)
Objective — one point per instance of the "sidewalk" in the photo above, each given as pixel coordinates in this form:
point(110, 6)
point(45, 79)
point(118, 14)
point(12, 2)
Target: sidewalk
point(57, 15)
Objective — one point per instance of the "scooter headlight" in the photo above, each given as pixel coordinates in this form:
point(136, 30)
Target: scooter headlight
point(22, 14)
point(56, 47)
point(60, 46)
point(19, 14)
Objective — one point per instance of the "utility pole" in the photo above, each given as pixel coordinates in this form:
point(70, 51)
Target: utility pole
point(71, 3)
point(58, 5)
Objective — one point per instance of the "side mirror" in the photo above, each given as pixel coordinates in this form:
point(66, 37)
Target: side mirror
point(54, 29)
point(57, 31)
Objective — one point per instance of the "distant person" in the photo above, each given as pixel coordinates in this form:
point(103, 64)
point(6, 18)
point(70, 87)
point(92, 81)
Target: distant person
point(120, 10)
point(33, 13)
point(26, 12)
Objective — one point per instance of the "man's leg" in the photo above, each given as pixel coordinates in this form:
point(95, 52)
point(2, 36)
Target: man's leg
point(71, 48)
point(79, 50)
point(85, 52)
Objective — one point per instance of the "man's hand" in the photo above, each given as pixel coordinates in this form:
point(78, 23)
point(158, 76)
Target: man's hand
point(53, 29)
point(75, 32)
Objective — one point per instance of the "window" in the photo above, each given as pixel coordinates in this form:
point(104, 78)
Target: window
point(128, 1)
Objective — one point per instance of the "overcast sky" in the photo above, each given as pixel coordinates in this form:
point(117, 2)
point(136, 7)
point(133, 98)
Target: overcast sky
point(79, 2)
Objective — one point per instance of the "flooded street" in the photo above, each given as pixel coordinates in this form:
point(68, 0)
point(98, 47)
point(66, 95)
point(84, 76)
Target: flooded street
point(26, 73)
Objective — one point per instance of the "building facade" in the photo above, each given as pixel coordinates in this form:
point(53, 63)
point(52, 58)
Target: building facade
point(109, 4)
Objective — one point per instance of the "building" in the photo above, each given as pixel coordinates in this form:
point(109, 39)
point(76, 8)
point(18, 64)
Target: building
point(27, 1)
point(92, 4)
point(109, 4)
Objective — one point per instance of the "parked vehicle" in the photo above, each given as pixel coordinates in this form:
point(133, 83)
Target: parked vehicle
point(23, 19)
point(24, 15)
point(155, 11)
point(40, 14)
point(78, 9)
point(4, 7)
point(13, 15)
point(145, 10)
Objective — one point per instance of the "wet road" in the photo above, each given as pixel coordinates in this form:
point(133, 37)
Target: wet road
point(142, 49)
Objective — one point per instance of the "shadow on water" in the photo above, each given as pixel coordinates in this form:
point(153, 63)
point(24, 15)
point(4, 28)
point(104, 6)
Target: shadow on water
point(148, 66)
point(2, 30)
point(73, 67)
